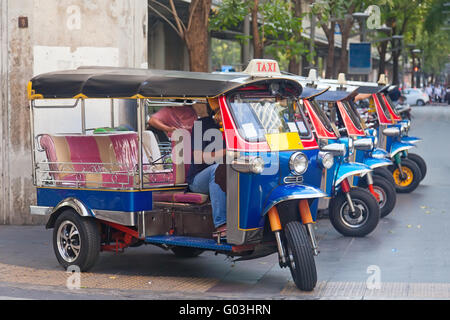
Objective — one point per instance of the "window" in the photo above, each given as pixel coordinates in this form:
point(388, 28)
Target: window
point(258, 114)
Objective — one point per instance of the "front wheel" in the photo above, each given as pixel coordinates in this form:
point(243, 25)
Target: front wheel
point(76, 240)
point(410, 179)
point(300, 256)
point(359, 223)
point(420, 163)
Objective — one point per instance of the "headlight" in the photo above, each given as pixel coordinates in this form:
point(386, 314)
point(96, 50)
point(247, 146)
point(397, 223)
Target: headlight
point(298, 163)
point(364, 144)
point(391, 132)
point(248, 165)
point(326, 159)
point(257, 165)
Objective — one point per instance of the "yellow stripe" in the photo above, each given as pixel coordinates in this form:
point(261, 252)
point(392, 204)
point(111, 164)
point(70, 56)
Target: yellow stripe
point(284, 141)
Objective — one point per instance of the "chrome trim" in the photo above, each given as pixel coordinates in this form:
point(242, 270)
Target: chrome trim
point(352, 173)
point(363, 144)
point(75, 204)
point(40, 210)
point(119, 217)
point(293, 179)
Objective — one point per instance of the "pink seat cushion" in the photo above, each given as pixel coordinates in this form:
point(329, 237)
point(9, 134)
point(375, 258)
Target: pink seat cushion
point(181, 197)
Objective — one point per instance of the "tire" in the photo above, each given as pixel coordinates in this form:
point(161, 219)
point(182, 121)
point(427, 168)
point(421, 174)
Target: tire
point(84, 233)
point(186, 252)
point(420, 102)
point(386, 192)
point(385, 173)
point(300, 256)
point(420, 163)
point(413, 179)
point(366, 206)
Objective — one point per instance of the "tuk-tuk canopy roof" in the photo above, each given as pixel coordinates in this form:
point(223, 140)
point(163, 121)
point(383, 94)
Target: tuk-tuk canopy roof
point(309, 93)
point(109, 82)
point(370, 89)
point(336, 95)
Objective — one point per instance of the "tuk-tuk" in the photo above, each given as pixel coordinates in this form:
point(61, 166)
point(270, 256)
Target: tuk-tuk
point(112, 190)
point(408, 169)
point(363, 150)
point(353, 211)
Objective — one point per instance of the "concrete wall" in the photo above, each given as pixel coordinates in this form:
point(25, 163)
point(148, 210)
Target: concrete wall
point(61, 34)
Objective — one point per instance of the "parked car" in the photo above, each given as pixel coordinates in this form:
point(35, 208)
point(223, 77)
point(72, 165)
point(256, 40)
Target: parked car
point(415, 97)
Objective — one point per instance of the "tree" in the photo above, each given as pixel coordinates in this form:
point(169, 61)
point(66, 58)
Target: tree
point(276, 28)
point(195, 34)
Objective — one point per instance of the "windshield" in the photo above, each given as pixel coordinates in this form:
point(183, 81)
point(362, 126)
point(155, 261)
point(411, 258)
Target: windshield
point(353, 115)
point(383, 106)
point(257, 115)
point(323, 117)
point(392, 105)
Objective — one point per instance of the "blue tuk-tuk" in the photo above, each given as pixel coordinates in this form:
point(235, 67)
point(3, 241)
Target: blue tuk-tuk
point(109, 190)
point(352, 210)
point(408, 168)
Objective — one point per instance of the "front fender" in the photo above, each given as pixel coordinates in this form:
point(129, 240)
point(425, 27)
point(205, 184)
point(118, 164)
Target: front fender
point(399, 147)
point(350, 169)
point(374, 163)
point(287, 192)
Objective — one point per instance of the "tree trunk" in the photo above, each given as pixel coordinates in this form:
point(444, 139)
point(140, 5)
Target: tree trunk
point(345, 33)
point(258, 50)
point(197, 35)
point(294, 62)
point(382, 65)
point(329, 32)
point(395, 68)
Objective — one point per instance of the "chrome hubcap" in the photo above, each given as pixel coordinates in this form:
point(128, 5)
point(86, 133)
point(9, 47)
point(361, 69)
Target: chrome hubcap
point(357, 219)
point(68, 241)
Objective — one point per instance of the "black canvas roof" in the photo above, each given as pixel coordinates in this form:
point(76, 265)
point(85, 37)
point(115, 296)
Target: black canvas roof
point(108, 82)
point(336, 95)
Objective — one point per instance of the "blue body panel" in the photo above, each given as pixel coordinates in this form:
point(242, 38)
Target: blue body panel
point(255, 190)
point(111, 200)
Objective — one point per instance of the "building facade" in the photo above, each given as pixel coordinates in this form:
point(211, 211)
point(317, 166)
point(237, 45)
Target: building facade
point(38, 36)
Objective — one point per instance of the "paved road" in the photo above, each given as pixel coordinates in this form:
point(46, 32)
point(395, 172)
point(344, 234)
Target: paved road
point(409, 251)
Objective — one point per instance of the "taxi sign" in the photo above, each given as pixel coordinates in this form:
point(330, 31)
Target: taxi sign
point(263, 68)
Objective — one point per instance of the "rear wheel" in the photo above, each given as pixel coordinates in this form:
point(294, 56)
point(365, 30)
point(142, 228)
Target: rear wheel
point(76, 240)
point(359, 223)
point(410, 179)
point(420, 102)
point(300, 256)
point(386, 194)
point(420, 163)
point(186, 252)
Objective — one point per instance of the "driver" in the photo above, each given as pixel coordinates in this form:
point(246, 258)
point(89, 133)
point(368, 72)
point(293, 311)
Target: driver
point(208, 151)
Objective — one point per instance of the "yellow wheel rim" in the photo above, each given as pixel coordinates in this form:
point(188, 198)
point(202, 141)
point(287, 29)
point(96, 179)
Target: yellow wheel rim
point(409, 177)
